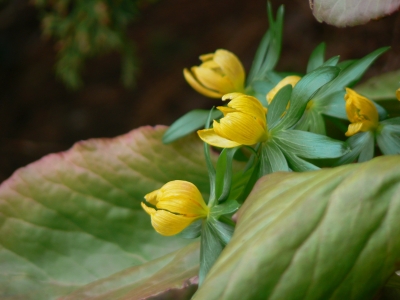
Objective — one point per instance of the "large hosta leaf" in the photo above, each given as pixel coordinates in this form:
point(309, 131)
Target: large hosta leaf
point(343, 13)
point(382, 87)
point(327, 234)
point(74, 217)
point(173, 275)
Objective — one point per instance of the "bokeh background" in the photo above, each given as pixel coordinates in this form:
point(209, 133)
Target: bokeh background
point(40, 115)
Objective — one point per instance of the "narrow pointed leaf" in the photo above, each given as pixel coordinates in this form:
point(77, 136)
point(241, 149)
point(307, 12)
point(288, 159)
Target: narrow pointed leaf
point(317, 58)
point(188, 123)
point(350, 74)
point(309, 145)
point(302, 93)
point(272, 159)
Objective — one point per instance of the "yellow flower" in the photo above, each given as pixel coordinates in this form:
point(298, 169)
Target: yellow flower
point(179, 203)
point(361, 112)
point(285, 81)
point(398, 94)
point(244, 123)
point(219, 74)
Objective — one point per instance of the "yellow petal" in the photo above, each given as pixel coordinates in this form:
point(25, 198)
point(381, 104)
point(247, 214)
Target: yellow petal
point(231, 96)
point(149, 210)
point(398, 94)
point(198, 87)
point(206, 57)
point(213, 80)
point(182, 197)
point(360, 108)
point(247, 104)
point(210, 137)
point(225, 110)
point(152, 197)
point(241, 128)
point(353, 128)
point(166, 223)
point(292, 80)
point(231, 67)
point(251, 106)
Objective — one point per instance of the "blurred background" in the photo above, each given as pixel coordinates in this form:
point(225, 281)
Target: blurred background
point(39, 114)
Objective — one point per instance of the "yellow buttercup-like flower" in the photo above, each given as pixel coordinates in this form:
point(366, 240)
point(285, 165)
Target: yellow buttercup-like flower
point(219, 74)
point(398, 94)
point(179, 203)
point(361, 112)
point(293, 80)
point(244, 123)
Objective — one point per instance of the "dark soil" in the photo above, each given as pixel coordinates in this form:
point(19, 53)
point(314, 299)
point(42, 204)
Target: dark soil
point(39, 115)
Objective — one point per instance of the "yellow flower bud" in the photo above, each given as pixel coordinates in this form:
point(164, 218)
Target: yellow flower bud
point(361, 112)
point(244, 123)
point(220, 73)
point(179, 203)
point(398, 94)
point(292, 80)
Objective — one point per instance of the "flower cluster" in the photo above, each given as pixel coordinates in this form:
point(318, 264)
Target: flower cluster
point(280, 121)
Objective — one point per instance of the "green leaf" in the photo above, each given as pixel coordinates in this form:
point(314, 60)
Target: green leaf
point(173, 273)
point(342, 13)
point(302, 93)
point(327, 234)
point(268, 51)
point(252, 179)
point(278, 106)
point(382, 87)
point(188, 123)
point(309, 145)
point(316, 58)
point(210, 249)
point(192, 231)
point(74, 217)
point(227, 207)
point(272, 159)
point(332, 62)
point(389, 139)
point(349, 75)
point(299, 165)
point(222, 231)
point(311, 121)
point(361, 142)
point(209, 163)
point(224, 173)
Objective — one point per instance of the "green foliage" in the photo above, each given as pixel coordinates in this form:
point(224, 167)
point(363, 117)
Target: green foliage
point(84, 29)
point(188, 123)
point(173, 271)
point(381, 87)
point(328, 234)
point(72, 222)
point(75, 217)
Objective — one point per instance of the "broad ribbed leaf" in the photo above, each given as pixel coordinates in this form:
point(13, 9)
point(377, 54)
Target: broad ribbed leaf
point(382, 87)
point(74, 217)
point(326, 234)
point(343, 13)
point(175, 273)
